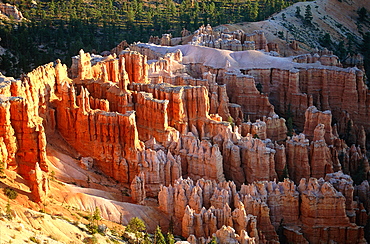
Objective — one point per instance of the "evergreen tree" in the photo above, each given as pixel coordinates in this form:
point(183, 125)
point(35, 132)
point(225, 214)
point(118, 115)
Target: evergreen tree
point(158, 236)
point(308, 15)
point(96, 215)
point(170, 238)
point(8, 211)
point(298, 12)
point(259, 87)
point(254, 11)
point(136, 225)
point(289, 121)
point(326, 41)
point(214, 240)
point(365, 48)
point(362, 14)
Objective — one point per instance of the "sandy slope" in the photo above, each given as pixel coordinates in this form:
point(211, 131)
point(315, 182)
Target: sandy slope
point(67, 204)
point(98, 191)
point(233, 60)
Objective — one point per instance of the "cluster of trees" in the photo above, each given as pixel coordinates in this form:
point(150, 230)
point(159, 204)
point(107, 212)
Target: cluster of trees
point(364, 19)
point(138, 227)
point(350, 46)
point(307, 18)
point(58, 29)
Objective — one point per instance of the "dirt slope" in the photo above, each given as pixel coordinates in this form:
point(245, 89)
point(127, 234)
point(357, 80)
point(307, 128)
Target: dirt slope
point(335, 17)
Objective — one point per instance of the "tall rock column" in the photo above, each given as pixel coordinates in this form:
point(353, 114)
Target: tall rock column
point(323, 214)
point(39, 184)
point(9, 141)
point(313, 117)
point(136, 66)
point(297, 149)
point(320, 156)
point(137, 186)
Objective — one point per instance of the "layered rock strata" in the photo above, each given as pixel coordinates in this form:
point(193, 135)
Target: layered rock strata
point(261, 209)
point(149, 124)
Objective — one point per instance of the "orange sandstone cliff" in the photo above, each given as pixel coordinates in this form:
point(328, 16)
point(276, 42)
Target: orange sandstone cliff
point(191, 129)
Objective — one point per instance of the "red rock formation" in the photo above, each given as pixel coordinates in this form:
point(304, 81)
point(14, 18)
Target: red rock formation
point(297, 149)
point(316, 197)
point(257, 129)
point(363, 193)
point(30, 138)
point(320, 157)
point(136, 66)
point(258, 37)
point(257, 160)
point(280, 161)
point(344, 184)
point(39, 184)
point(8, 140)
point(276, 129)
point(120, 47)
point(273, 47)
point(273, 204)
point(152, 119)
point(349, 88)
point(30, 114)
point(294, 45)
point(354, 162)
point(313, 117)
point(242, 90)
point(81, 66)
point(137, 186)
point(166, 40)
point(200, 159)
point(115, 140)
point(325, 57)
point(110, 109)
point(10, 11)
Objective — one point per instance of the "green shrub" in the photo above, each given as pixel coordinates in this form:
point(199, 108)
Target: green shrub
point(33, 239)
point(135, 225)
point(158, 236)
point(90, 240)
point(8, 211)
point(10, 193)
point(2, 167)
point(93, 229)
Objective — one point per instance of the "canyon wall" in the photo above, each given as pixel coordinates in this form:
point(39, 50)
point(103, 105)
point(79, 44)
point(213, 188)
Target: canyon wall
point(262, 209)
point(149, 125)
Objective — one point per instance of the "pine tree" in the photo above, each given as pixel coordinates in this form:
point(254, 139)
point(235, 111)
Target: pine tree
point(308, 15)
point(136, 224)
point(214, 240)
point(298, 12)
point(8, 211)
point(362, 14)
point(170, 239)
point(254, 11)
point(96, 215)
point(158, 236)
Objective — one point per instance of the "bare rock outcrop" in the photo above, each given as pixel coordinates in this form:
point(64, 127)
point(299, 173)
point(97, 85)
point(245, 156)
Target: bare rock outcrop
point(297, 149)
point(11, 11)
point(149, 125)
point(313, 117)
point(263, 208)
point(314, 217)
point(320, 156)
point(39, 184)
point(137, 186)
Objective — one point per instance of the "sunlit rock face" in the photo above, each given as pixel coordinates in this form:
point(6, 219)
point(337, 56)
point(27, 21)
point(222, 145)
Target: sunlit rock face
point(204, 130)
